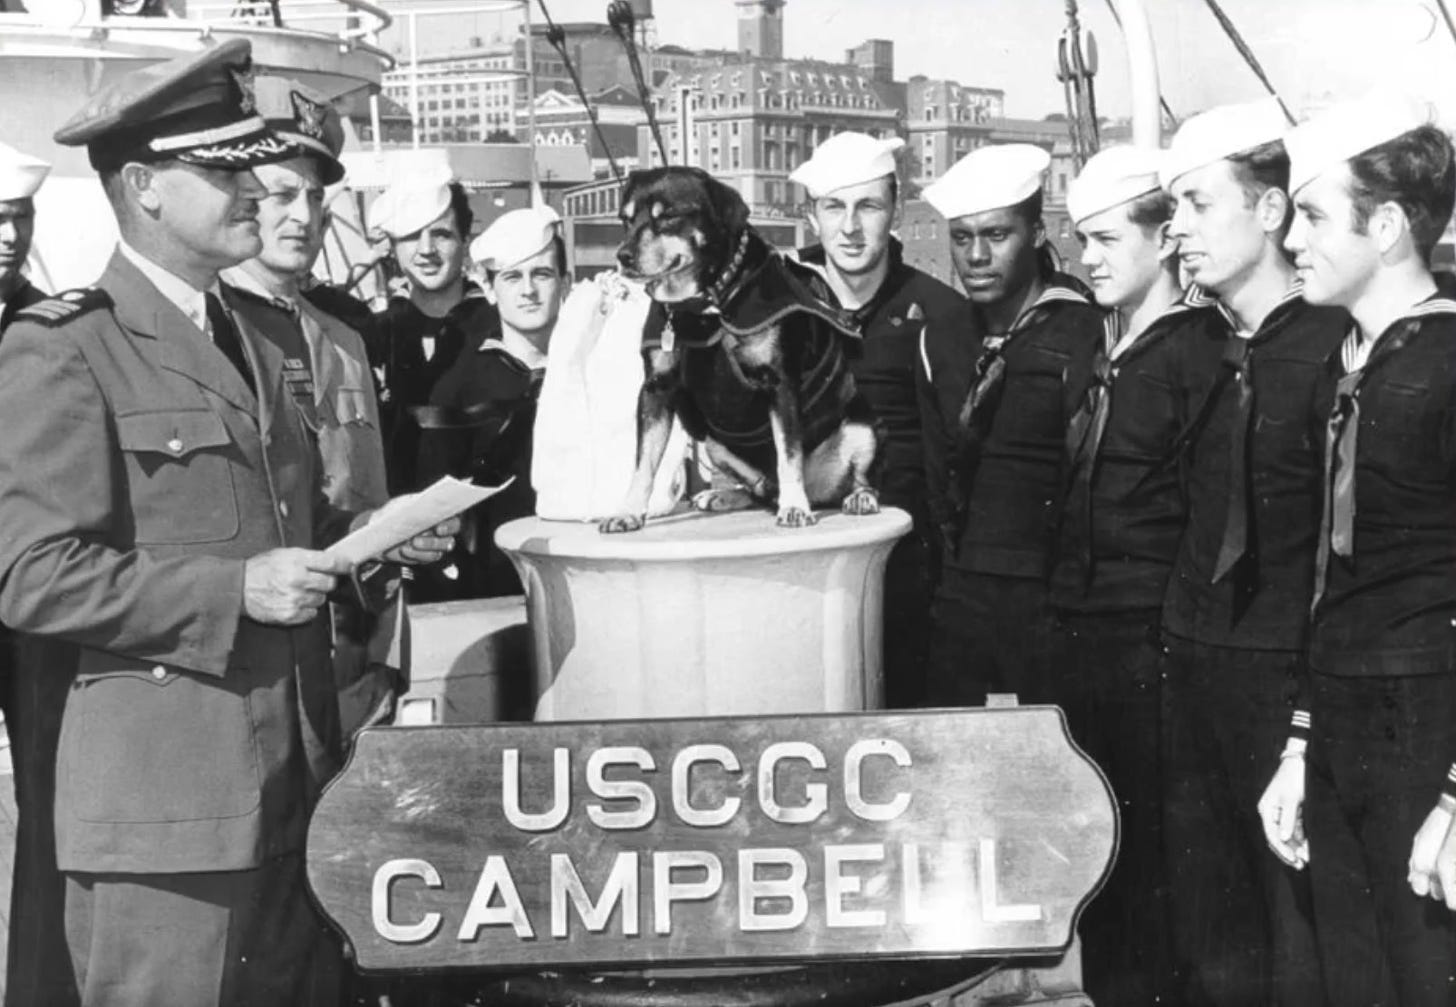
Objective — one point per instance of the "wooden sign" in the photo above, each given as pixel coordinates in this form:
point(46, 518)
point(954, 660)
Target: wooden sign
point(728, 840)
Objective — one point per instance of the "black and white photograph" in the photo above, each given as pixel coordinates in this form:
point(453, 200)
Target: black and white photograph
point(727, 503)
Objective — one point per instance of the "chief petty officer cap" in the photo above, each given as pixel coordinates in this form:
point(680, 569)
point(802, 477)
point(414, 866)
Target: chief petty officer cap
point(846, 159)
point(989, 178)
point(20, 174)
point(198, 108)
point(1112, 177)
point(515, 237)
point(410, 205)
point(306, 119)
point(1349, 128)
point(1220, 133)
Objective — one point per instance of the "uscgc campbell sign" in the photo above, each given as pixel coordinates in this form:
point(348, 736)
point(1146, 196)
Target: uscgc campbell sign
point(682, 841)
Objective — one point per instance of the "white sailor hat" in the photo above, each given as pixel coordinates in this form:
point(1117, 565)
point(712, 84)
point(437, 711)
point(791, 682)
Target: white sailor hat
point(846, 159)
point(20, 174)
point(989, 178)
point(409, 205)
point(1348, 128)
point(514, 237)
point(1220, 133)
point(1110, 178)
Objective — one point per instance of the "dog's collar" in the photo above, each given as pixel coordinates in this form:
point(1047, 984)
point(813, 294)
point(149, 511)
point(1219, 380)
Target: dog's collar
point(718, 293)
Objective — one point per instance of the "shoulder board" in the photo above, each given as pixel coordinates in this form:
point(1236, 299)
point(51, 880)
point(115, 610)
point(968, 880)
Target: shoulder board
point(63, 307)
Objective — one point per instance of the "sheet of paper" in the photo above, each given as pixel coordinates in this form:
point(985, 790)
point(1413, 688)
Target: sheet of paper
point(405, 517)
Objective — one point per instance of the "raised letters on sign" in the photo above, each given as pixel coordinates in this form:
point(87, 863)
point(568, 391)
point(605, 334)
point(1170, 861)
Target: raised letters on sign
point(753, 839)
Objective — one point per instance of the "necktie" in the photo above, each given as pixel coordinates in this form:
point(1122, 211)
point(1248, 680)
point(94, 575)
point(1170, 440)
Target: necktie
point(980, 404)
point(1337, 519)
point(1235, 543)
point(225, 338)
point(1084, 440)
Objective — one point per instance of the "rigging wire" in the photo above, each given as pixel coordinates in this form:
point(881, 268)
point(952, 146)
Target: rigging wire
point(623, 22)
point(1248, 55)
point(557, 37)
point(1446, 13)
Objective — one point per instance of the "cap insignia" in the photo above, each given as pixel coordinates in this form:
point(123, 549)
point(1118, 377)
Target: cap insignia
point(247, 96)
point(309, 115)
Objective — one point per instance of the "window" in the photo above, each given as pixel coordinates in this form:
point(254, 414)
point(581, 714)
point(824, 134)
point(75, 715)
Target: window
point(735, 158)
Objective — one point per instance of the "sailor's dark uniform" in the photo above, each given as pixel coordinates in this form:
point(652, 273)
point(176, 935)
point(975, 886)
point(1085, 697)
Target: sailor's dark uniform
point(995, 415)
point(1383, 657)
point(884, 369)
point(1235, 622)
point(1120, 522)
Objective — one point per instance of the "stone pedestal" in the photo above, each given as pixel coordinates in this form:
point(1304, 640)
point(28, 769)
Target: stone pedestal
point(705, 614)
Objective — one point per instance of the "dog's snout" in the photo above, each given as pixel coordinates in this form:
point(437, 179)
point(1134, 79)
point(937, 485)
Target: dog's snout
point(626, 258)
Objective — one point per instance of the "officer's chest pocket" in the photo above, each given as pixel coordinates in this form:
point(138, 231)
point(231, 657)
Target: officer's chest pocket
point(351, 407)
point(179, 476)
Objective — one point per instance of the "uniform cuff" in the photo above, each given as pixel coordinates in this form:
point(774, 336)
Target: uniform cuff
point(1299, 724)
point(1448, 791)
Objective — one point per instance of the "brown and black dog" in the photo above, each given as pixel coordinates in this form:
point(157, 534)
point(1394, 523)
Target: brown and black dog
point(740, 348)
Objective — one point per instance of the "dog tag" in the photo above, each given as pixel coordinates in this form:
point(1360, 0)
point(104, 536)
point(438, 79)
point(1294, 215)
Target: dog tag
point(669, 337)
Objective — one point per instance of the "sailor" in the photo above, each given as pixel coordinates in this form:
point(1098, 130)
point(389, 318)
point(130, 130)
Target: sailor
point(30, 705)
point(335, 379)
point(854, 207)
point(20, 176)
point(435, 312)
point(1373, 184)
point(482, 410)
point(1235, 615)
point(994, 413)
point(158, 491)
point(1119, 523)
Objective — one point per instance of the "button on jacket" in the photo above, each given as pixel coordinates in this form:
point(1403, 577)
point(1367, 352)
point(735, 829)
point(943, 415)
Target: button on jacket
point(137, 474)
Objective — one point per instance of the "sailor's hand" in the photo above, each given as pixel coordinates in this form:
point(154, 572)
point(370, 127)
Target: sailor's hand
point(1281, 810)
point(287, 587)
point(1430, 840)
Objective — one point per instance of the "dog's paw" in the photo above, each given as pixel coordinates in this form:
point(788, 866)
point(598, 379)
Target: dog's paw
point(718, 500)
point(796, 517)
point(621, 523)
point(861, 502)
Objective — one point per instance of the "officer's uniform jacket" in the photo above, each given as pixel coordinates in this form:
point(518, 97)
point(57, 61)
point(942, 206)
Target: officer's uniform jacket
point(137, 473)
point(351, 452)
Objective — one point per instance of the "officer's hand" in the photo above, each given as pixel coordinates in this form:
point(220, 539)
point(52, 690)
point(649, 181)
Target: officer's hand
point(429, 547)
point(1430, 839)
point(1281, 809)
point(286, 587)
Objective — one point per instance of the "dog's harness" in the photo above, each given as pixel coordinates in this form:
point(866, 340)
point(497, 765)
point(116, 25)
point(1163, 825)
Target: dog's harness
point(757, 290)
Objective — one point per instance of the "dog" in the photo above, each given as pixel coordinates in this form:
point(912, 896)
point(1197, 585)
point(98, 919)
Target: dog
point(741, 349)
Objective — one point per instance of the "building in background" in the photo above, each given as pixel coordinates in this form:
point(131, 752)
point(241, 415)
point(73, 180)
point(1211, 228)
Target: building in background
point(464, 97)
point(562, 119)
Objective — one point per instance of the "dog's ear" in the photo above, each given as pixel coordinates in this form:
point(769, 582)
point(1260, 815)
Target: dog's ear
point(730, 212)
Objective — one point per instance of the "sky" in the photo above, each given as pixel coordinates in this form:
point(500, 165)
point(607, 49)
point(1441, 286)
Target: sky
point(1313, 50)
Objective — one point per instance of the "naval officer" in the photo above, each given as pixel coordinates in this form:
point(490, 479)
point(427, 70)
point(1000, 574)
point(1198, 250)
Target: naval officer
point(160, 519)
